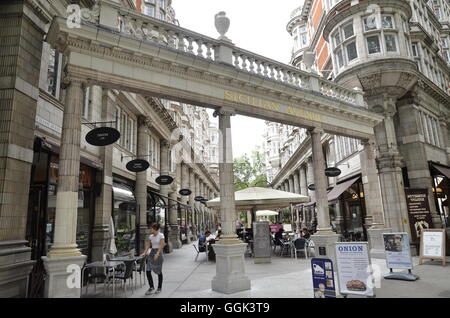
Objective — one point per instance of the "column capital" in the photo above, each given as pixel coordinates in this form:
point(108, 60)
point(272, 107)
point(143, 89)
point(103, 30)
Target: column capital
point(315, 130)
point(224, 112)
point(144, 121)
point(164, 143)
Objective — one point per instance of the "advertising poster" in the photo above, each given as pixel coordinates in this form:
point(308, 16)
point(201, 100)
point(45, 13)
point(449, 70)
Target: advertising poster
point(323, 278)
point(354, 270)
point(419, 212)
point(397, 250)
point(433, 244)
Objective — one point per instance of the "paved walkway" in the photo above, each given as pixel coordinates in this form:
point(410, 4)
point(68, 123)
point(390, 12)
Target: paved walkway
point(283, 278)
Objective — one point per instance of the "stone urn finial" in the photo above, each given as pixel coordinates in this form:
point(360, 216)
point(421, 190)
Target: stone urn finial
point(222, 24)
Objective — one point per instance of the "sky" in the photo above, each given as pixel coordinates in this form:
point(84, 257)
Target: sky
point(258, 26)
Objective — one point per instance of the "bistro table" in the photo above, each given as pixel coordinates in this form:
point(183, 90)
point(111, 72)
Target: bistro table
point(108, 266)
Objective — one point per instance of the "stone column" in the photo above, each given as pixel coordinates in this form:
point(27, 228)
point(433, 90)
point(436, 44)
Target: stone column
point(174, 233)
point(192, 204)
point(164, 189)
point(21, 37)
point(389, 163)
point(291, 184)
point(64, 251)
point(185, 184)
point(144, 125)
point(230, 269)
point(197, 205)
point(101, 238)
point(325, 237)
point(373, 201)
point(303, 181)
point(310, 177)
point(296, 182)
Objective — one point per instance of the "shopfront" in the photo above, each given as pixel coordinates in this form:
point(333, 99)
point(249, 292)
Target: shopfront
point(42, 209)
point(441, 183)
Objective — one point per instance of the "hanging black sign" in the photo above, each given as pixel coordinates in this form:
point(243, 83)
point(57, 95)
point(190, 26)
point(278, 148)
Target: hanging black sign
point(164, 180)
point(204, 200)
point(312, 187)
point(137, 165)
point(102, 136)
point(333, 172)
point(199, 198)
point(185, 192)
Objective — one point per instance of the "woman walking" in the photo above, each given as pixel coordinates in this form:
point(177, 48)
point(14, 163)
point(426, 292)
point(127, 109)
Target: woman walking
point(155, 258)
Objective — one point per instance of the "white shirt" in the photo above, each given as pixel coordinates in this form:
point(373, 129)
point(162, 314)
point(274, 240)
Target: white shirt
point(156, 239)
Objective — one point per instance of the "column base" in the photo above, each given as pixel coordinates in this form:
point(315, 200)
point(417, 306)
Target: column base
point(15, 267)
point(230, 270)
point(376, 243)
point(63, 276)
point(174, 238)
point(324, 244)
point(64, 251)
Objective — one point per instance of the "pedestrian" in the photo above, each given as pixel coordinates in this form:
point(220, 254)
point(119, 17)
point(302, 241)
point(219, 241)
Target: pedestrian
point(154, 249)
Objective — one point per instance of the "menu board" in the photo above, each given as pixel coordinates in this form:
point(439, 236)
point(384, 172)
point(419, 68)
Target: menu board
point(287, 227)
point(354, 269)
point(397, 250)
point(323, 278)
point(432, 245)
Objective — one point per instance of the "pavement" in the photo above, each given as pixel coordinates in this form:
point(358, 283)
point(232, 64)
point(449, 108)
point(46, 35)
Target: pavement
point(284, 277)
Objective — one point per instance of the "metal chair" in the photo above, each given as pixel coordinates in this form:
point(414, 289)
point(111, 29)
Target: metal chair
point(126, 275)
point(284, 246)
point(198, 252)
point(301, 245)
point(141, 269)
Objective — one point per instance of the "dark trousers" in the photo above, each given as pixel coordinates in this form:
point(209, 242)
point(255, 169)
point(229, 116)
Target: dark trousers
point(150, 280)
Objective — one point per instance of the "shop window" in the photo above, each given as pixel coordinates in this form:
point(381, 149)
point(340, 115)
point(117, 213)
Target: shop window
point(373, 44)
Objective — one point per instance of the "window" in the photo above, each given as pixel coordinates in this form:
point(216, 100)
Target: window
point(351, 51)
point(162, 4)
point(370, 23)
point(373, 44)
point(337, 39)
point(348, 30)
point(415, 50)
point(150, 11)
point(387, 22)
point(53, 73)
point(162, 15)
point(127, 128)
point(391, 45)
point(340, 58)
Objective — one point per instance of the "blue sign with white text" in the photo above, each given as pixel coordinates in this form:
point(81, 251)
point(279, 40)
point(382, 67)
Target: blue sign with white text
point(323, 278)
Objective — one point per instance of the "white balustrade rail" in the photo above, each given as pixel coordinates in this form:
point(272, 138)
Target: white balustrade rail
point(147, 28)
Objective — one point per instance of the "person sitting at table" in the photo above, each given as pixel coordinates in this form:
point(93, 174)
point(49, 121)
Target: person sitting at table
point(203, 241)
point(219, 233)
point(279, 235)
point(306, 233)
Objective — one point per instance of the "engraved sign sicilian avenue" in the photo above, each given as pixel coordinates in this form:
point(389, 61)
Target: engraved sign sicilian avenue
point(273, 106)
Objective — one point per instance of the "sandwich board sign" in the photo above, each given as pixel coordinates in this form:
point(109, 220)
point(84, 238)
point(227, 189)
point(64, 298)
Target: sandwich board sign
point(354, 269)
point(432, 245)
point(398, 256)
point(323, 278)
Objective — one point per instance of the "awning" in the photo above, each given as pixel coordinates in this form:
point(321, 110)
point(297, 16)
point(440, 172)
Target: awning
point(444, 170)
point(123, 193)
point(337, 191)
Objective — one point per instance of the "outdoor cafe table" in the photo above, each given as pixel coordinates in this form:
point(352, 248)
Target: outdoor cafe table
point(108, 265)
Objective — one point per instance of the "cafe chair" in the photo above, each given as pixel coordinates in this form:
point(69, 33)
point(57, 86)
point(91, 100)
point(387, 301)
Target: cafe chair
point(285, 246)
point(141, 269)
point(301, 245)
point(126, 275)
point(198, 252)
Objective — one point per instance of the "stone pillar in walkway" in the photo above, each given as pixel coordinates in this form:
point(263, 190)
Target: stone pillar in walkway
point(192, 204)
point(325, 238)
point(185, 184)
point(101, 237)
point(389, 164)
point(291, 184)
point(230, 269)
point(373, 201)
point(64, 251)
point(21, 36)
point(174, 233)
point(143, 136)
point(197, 205)
point(164, 189)
point(310, 180)
point(296, 182)
point(303, 181)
